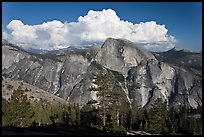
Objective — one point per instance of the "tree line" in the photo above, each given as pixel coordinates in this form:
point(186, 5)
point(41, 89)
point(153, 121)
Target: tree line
point(106, 114)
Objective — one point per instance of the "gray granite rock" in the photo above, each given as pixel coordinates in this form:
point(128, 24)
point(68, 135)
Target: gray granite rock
point(143, 78)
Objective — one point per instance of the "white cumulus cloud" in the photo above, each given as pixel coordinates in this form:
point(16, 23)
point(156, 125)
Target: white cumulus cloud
point(96, 26)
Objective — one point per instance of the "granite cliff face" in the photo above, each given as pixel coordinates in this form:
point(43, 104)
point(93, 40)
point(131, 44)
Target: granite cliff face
point(141, 77)
point(152, 79)
point(120, 55)
point(43, 73)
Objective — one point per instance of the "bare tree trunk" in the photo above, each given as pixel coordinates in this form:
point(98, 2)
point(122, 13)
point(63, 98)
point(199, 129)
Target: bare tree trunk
point(104, 116)
point(39, 123)
point(130, 112)
point(117, 116)
point(174, 131)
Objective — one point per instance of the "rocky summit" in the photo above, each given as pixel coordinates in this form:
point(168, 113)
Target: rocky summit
point(142, 76)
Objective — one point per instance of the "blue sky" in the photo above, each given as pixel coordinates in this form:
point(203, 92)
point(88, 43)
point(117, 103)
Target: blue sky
point(182, 20)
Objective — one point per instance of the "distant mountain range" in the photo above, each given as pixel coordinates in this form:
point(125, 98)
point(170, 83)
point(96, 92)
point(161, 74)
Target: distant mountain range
point(181, 57)
point(142, 76)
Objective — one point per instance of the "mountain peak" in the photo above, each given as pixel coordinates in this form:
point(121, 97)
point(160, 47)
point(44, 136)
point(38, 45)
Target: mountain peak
point(121, 54)
point(177, 49)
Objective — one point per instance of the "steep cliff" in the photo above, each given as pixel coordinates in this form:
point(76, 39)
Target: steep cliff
point(120, 55)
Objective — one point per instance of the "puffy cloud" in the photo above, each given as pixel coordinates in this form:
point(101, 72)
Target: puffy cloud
point(96, 26)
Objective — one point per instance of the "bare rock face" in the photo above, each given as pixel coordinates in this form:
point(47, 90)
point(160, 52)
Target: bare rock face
point(120, 55)
point(41, 73)
point(141, 78)
point(186, 89)
point(46, 72)
point(150, 80)
point(72, 72)
point(11, 55)
point(153, 79)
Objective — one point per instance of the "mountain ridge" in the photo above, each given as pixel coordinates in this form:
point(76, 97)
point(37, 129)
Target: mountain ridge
point(146, 76)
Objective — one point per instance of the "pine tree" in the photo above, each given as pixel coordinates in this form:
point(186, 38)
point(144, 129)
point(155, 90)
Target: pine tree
point(20, 111)
point(89, 115)
point(182, 119)
point(56, 115)
point(173, 120)
point(136, 118)
point(77, 109)
point(72, 115)
point(42, 112)
point(156, 118)
point(5, 115)
point(104, 85)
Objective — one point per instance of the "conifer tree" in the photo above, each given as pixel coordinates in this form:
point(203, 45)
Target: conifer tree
point(89, 115)
point(156, 118)
point(20, 110)
point(72, 115)
point(104, 88)
point(77, 109)
point(5, 115)
point(42, 112)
